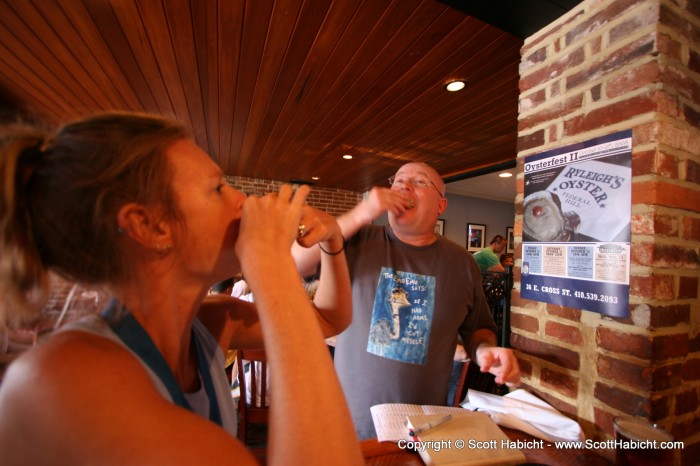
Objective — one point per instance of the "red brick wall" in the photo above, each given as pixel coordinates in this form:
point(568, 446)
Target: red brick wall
point(333, 201)
point(606, 66)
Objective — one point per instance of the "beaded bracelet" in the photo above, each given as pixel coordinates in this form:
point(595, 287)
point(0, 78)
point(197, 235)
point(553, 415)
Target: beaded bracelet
point(342, 248)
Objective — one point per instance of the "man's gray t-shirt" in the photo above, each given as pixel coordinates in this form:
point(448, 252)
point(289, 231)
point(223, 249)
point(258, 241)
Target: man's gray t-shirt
point(409, 305)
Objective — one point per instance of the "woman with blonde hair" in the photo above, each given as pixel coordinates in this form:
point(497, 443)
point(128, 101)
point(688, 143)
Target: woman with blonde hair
point(128, 201)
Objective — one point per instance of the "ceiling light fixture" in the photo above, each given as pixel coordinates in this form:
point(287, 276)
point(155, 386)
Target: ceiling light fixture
point(347, 156)
point(454, 86)
point(505, 175)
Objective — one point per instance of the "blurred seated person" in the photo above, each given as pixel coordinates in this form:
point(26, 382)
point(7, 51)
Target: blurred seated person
point(240, 288)
point(241, 291)
point(225, 287)
point(222, 287)
point(507, 260)
point(310, 286)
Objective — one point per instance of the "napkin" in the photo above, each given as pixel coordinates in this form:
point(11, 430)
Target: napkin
point(523, 411)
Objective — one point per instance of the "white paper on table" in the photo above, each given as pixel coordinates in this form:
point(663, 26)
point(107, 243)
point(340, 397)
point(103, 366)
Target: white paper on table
point(523, 411)
point(390, 418)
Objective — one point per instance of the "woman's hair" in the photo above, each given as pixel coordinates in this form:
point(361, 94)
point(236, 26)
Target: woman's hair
point(60, 197)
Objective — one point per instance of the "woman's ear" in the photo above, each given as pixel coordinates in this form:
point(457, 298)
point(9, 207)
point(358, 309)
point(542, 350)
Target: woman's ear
point(145, 226)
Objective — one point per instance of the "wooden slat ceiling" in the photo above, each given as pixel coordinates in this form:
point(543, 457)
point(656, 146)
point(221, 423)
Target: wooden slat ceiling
point(277, 89)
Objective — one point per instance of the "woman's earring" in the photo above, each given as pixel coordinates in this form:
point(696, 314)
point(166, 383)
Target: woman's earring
point(164, 247)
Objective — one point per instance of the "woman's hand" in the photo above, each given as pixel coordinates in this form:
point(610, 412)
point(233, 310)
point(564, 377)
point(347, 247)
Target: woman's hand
point(318, 226)
point(291, 331)
point(269, 225)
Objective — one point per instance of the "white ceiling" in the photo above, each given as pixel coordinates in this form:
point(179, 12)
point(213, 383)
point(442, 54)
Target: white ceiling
point(489, 186)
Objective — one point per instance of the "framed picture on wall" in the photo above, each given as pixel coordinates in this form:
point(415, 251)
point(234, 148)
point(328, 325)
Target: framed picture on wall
point(476, 237)
point(440, 227)
point(510, 238)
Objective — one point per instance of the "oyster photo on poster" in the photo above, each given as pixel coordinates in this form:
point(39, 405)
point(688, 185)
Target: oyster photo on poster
point(576, 225)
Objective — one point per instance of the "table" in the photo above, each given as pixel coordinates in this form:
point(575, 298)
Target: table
point(389, 454)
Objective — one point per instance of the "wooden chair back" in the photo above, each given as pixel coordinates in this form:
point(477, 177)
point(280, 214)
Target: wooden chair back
point(256, 412)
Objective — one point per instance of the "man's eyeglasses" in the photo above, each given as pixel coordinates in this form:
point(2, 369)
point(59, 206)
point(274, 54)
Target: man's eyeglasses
point(417, 182)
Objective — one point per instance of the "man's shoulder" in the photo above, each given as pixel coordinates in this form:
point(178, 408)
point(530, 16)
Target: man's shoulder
point(457, 255)
point(368, 236)
point(453, 247)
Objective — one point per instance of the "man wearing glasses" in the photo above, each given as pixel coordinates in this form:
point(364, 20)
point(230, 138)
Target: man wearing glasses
point(414, 292)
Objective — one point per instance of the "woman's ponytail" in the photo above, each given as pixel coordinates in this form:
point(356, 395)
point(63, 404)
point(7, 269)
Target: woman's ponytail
point(23, 278)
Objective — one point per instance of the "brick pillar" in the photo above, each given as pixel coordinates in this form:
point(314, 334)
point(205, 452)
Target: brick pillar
point(606, 66)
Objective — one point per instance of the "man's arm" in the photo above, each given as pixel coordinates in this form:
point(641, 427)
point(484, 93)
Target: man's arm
point(481, 343)
point(332, 299)
point(494, 265)
point(233, 322)
point(481, 337)
point(496, 268)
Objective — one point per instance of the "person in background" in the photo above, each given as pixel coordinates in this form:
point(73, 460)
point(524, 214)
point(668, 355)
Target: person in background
point(507, 260)
point(240, 287)
point(130, 201)
point(414, 292)
point(223, 287)
point(487, 258)
point(242, 291)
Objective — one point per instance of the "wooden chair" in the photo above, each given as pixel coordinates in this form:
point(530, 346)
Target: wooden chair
point(255, 414)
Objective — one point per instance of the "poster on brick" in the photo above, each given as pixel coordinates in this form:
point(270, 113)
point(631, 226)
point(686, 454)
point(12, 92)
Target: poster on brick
point(576, 225)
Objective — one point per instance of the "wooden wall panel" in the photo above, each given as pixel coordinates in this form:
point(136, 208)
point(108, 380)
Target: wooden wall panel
point(277, 89)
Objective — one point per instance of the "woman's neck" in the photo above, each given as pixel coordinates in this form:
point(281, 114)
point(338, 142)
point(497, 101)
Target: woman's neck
point(167, 316)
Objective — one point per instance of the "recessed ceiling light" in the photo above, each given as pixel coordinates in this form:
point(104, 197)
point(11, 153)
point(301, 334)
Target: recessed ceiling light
point(454, 86)
point(505, 175)
point(347, 156)
point(315, 178)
